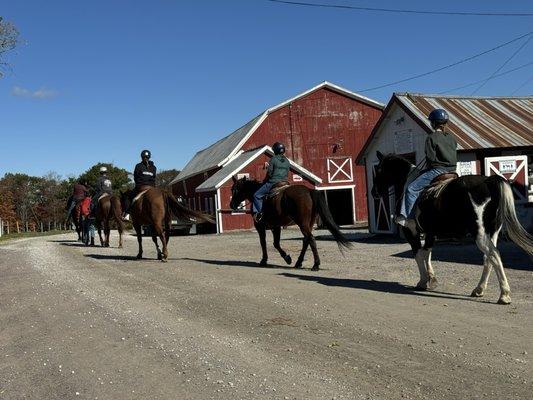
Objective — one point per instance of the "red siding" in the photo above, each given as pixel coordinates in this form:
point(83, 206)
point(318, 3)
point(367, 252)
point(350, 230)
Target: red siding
point(322, 125)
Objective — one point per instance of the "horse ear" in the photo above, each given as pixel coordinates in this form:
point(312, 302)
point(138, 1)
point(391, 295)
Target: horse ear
point(380, 155)
point(234, 179)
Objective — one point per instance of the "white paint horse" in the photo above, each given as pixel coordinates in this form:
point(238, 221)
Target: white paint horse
point(473, 205)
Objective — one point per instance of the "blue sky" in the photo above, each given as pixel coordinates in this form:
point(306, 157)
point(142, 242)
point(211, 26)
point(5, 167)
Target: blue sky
point(100, 80)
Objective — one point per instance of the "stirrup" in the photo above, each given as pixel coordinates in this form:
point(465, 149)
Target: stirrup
point(258, 217)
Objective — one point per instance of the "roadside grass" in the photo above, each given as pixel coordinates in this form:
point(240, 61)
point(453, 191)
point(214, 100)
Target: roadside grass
point(21, 235)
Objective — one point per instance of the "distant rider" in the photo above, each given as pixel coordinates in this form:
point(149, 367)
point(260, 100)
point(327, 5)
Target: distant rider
point(103, 186)
point(278, 171)
point(441, 157)
point(79, 192)
point(144, 177)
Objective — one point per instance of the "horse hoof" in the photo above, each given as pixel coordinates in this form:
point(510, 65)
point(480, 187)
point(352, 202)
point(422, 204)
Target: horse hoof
point(298, 264)
point(160, 257)
point(263, 263)
point(504, 299)
point(139, 256)
point(163, 260)
point(316, 267)
point(433, 283)
point(288, 259)
point(477, 292)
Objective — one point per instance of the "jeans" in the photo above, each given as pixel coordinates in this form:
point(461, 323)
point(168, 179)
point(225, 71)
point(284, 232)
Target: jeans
point(414, 189)
point(258, 196)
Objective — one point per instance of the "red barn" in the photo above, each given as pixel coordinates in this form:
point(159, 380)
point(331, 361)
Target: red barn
point(323, 129)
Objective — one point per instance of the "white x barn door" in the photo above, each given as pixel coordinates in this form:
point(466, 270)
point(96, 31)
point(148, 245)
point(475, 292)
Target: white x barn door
point(340, 170)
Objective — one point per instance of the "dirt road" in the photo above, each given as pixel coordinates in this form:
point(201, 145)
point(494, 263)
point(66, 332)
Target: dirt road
point(93, 323)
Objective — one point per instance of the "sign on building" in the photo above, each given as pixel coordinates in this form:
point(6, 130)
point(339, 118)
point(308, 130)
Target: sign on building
point(512, 168)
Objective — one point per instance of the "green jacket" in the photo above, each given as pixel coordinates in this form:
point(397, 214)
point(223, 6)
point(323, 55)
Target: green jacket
point(278, 169)
point(441, 150)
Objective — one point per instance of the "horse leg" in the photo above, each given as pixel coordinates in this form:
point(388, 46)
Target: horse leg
point(276, 232)
point(312, 243)
point(158, 232)
point(479, 290)
point(107, 232)
point(300, 259)
point(139, 240)
point(420, 255)
point(100, 235)
point(492, 257)
point(261, 230)
point(119, 228)
point(428, 245)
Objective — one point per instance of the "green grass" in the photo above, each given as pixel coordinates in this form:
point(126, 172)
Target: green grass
point(12, 236)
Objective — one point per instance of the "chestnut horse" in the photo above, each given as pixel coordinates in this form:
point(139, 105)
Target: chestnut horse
point(109, 208)
point(295, 204)
point(471, 205)
point(156, 207)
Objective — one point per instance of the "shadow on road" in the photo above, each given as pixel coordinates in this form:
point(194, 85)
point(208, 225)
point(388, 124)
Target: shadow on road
point(378, 286)
point(235, 263)
point(512, 256)
point(113, 257)
point(359, 237)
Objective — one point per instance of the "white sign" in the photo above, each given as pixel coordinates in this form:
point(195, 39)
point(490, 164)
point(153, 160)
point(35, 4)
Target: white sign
point(297, 178)
point(507, 166)
point(466, 168)
point(403, 142)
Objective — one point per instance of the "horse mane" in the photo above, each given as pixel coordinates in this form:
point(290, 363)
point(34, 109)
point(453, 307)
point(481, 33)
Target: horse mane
point(396, 157)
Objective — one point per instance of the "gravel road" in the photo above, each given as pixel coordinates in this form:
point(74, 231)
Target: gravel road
point(94, 323)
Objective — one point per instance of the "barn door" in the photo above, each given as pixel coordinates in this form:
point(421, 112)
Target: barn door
point(340, 170)
point(383, 211)
point(512, 168)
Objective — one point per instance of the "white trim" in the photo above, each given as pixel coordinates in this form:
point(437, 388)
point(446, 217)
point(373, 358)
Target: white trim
point(340, 168)
point(218, 214)
point(335, 187)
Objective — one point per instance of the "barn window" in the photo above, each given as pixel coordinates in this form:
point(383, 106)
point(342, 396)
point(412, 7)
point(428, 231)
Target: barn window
point(340, 169)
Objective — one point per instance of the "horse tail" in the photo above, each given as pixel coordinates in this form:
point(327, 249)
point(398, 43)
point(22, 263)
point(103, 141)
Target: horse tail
point(181, 212)
point(327, 219)
point(507, 214)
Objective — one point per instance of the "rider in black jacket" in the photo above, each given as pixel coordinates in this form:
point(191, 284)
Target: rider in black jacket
point(144, 177)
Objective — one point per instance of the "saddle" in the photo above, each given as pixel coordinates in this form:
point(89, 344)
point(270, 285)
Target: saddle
point(444, 177)
point(277, 189)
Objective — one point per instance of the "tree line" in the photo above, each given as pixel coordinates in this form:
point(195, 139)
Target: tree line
point(39, 203)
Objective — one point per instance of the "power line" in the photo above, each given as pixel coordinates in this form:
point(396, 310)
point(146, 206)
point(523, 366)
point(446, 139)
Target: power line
point(393, 10)
point(446, 66)
point(481, 80)
point(503, 65)
point(522, 85)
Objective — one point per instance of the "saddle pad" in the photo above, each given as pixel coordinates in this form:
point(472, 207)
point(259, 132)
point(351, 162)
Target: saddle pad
point(139, 196)
point(102, 196)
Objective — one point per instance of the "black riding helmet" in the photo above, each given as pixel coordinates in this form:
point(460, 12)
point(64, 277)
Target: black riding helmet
point(146, 154)
point(278, 148)
point(438, 116)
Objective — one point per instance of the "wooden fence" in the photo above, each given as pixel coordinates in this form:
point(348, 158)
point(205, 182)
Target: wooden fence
point(6, 228)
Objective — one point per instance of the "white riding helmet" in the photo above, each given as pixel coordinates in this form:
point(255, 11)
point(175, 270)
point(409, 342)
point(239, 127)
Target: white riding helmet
point(103, 169)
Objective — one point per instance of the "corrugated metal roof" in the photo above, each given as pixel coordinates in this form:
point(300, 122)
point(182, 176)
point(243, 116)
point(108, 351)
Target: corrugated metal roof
point(478, 122)
point(218, 153)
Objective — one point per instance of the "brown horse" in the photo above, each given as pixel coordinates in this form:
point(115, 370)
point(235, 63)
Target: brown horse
point(156, 207)
point(75, 217)
point(109, 208)
point(296, 204)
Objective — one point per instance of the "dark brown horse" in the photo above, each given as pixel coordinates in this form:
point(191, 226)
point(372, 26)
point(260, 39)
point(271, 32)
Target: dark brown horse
point(156, 207)
point(296, 204)
point(75, 217)
point(109, 208)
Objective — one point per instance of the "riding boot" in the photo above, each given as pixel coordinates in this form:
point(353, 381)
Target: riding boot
point(92, 241)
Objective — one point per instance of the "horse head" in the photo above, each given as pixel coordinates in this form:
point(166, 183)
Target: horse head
point(242, 189)
point(392, 170)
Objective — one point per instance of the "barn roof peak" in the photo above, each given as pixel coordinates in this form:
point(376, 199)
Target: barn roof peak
point(222, 151)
